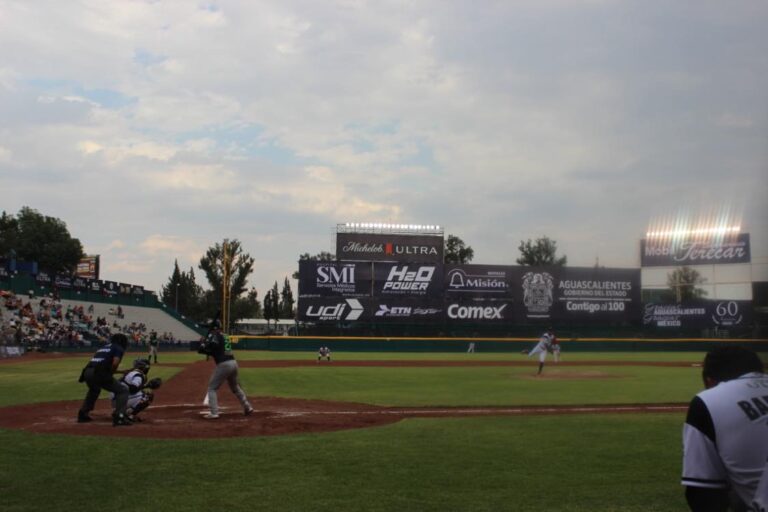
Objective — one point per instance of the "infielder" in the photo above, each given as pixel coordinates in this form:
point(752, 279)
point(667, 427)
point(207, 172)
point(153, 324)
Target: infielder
point(139, 388)
point(725, 435)
point(324, 352)
point(542, 348)
point(219, 347)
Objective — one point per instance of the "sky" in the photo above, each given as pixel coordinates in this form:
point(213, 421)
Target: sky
point(155, 129)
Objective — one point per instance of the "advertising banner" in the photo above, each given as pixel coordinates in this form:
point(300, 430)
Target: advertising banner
point(333, 310)
point(481, 281)
point(88, 267)
point(43, 279)
point(124, 288)
point(137, 290)
point(80, 284)
point(411, 280)
point(417, 311)
point(693, 251)
point(334, 279)
point(384, 247)
point(480, 311)
point(63, 281)
point(94, 285)
point(577, 294)
point(699, 314)
point(110, 288)
point(4, 274)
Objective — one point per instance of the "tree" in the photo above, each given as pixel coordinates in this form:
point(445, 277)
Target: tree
point(456, 251)
point(321, 256)
point(540, 252)
point(239, 266)
point(183, 293)
point(35, 237)
point(683, 282)
point(286, 300)
point(272, 305)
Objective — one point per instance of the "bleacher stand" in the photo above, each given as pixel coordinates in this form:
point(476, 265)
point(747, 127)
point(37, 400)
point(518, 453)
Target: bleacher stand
point(48, 323)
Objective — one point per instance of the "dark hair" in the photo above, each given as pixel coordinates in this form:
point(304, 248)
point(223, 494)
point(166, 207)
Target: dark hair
point(119, 339)
point(730, 361)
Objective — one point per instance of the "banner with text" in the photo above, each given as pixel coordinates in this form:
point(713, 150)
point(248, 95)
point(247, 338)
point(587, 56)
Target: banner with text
point(699, 314)
point(334, 279)
point(693, 251)
point(411, 280)
point(383, 247)
point(477, 281)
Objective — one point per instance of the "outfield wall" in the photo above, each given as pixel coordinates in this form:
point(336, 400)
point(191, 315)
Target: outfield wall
point(370, 344)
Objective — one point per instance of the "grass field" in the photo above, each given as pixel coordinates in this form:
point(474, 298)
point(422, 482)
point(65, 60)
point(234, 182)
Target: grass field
point(610, 462)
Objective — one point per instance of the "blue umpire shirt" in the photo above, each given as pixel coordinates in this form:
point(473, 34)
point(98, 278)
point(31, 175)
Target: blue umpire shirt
point(102, 359)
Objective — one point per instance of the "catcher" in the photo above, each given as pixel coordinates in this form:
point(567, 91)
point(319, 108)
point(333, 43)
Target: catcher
point(140, 388)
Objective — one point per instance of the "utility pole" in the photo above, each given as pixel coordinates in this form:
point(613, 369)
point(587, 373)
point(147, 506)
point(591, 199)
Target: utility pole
point(225, 299)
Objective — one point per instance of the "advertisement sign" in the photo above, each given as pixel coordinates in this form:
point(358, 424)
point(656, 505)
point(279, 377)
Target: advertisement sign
point(576, 294)
point(88, 267)
point(476, 281)
point(407, 311)
point(407, 280)
point(110, 288)
point(80, 284)
point(43, 279)
point(384, 247)
point(332, 310)
point(479, 311)
point(94, 285)
point(63, 281)
point(334, 279)
point(137, 290)
point(4, 274)
point(693, 251)
point(124, 288)
point(699, 314)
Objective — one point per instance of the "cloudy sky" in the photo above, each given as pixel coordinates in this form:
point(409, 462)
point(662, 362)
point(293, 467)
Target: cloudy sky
point(157, 128)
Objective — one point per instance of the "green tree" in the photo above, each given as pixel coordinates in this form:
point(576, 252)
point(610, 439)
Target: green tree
point(286, 300)
point(272, 304)
point(9, 235)
point(540, 252)
point(239, 266)
point(321, 256)
point(684, 284)
point(32, 236)
point(183, 293)
point(456, 251)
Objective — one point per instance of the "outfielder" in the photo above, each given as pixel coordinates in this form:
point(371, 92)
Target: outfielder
point(140, 388)
point(219, 347)
point(542, 348)
point(725, 435)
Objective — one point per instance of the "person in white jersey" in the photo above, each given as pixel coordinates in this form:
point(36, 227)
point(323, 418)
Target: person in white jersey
point(725, 435)
point(543, 347)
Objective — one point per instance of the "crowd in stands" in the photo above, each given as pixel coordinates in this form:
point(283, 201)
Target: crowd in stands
point(47, 324)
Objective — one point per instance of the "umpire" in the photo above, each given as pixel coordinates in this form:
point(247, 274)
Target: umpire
point(98, 374)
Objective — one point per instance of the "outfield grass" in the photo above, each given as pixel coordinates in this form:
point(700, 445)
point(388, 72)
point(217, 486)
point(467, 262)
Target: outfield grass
point(572, 463)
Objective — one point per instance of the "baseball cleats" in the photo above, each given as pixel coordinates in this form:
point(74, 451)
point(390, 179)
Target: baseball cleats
point(249, 411)
point(211, 416)
point(121, 420)
point(83, 418)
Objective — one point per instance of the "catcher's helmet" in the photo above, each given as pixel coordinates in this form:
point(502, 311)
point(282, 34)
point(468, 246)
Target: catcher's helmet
point(141, 364)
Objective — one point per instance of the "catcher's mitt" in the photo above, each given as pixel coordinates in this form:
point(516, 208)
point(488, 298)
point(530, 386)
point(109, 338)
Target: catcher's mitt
point(154, 383)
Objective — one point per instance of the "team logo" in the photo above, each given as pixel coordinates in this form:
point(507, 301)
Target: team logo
point(537, 293)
